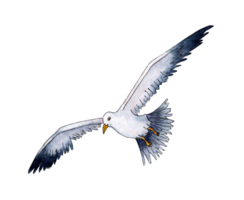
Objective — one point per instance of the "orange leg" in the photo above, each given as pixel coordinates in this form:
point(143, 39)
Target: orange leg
point(153, 131)
point(147, 143)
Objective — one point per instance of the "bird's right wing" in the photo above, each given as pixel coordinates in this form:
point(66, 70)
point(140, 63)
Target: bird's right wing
point(158, 71)
point(60, 142)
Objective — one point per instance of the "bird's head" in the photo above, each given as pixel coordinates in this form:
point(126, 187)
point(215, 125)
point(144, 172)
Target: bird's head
point(107, 120)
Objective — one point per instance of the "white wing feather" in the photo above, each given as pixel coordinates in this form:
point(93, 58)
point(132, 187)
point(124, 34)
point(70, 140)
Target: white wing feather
point(61, 143)
point(160, 69)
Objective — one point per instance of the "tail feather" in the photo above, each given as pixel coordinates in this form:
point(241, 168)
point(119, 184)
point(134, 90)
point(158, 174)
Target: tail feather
point(161, 124)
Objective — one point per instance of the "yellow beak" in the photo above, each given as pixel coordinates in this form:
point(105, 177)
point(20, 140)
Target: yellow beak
point(104, 128)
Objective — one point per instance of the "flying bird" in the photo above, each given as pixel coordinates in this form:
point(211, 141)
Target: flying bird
point(150, 130)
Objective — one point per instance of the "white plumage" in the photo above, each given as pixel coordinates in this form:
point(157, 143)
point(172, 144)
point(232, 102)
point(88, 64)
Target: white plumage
point(150, 130)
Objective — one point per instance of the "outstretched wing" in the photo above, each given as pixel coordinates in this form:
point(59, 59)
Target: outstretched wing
point(60, 142)
point(158, 71)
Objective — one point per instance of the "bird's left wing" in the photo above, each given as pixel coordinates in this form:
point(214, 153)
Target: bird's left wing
point(60, 142)
point(158, 71)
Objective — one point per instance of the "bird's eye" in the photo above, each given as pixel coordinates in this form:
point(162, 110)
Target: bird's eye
point(109, 118)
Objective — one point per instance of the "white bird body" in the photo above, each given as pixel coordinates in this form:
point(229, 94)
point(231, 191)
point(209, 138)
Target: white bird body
point(127, 124)
point(150, 130)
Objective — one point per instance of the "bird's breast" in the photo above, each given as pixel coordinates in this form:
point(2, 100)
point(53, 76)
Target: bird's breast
point(132, 126)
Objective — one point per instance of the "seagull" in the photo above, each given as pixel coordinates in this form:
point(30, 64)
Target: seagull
point(150, 130)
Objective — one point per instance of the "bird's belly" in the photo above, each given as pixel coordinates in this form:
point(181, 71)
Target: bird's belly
point(135, 127)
